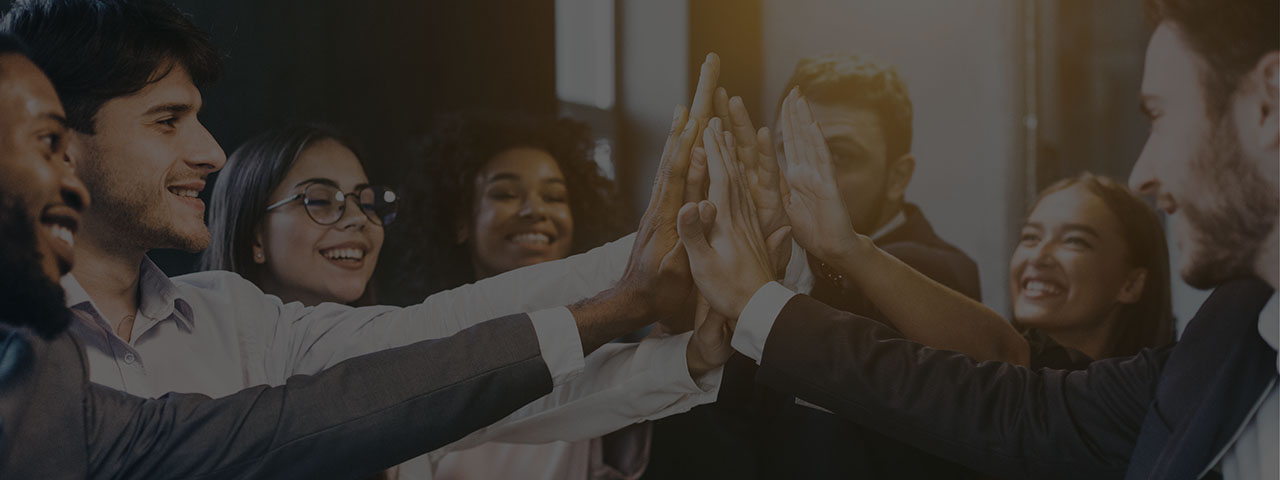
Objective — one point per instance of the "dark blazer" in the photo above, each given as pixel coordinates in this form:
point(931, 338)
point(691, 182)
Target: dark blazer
point(753, 431)
point(363, 415)
point(1162, 414)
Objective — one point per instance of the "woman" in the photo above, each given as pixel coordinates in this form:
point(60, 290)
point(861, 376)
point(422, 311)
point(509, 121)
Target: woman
point(492, 194)
point(294, 213)
point(1091, 271)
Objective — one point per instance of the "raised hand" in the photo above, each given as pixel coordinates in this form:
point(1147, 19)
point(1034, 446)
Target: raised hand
point(809, 192)
point(727, 250)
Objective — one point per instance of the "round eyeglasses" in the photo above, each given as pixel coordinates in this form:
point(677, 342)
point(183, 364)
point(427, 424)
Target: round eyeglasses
point(326, 204)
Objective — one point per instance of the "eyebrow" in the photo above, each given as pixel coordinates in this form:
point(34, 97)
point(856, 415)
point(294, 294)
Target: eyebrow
point(498, 177)
point(845, 144)
point(322, 180)
point(173, 108)
point(1070, 227)
point(61, 120)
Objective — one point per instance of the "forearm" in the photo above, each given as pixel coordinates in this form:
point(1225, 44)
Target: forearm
point(608, 315)
point(355, 418)
point(928, 312)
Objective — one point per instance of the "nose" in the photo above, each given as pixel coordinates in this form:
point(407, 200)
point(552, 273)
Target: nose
point(204, 154)
point(1142, 180)
point(1042, 255)
point(534, 207)
point(352, 215)
point(72, 190)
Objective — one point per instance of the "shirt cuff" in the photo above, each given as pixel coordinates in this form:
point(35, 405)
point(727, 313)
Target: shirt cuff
point(757, 319)
point(558, 339)
point(673, 365)
point(799, 276)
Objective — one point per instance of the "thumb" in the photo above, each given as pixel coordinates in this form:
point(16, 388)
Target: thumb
point(692, 233)
point(779, 245)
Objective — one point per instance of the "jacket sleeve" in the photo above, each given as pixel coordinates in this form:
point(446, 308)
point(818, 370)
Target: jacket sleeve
point(360, 416)
point(998, 418)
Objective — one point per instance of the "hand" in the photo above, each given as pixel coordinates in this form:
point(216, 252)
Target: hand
point(727, 251)
point(809, 192)
point(755, 151)
point(710, 346)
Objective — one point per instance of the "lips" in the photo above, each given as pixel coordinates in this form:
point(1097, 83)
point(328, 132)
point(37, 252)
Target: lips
point(348, 255)
point(61, 223)
point(1039, 287)
point(189, 193)
point(532, 239)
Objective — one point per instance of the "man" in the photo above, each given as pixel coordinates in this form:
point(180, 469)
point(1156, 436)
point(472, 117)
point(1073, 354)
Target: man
point(129, 72)
point(57, 425)
point(1206, 406)
point(865, 113)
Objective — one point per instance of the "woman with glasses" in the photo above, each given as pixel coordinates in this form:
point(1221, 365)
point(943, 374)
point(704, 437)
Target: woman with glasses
point(294, 213)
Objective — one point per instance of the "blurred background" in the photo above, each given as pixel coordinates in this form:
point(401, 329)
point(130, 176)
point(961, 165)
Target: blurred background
point(1009, 95)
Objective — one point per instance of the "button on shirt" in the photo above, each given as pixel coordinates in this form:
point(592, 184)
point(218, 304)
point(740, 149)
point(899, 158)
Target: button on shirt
point(216, 333)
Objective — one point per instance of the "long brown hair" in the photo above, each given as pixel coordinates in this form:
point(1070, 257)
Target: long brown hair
point(1148, 322)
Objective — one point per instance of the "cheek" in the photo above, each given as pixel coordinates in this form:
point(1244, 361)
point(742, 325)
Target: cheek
point(290, 240)
point(486, 224)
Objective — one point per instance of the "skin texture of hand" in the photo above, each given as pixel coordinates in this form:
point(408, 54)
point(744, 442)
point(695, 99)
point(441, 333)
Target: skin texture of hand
point(710, 347)
point(809, 192)
point(727, 251)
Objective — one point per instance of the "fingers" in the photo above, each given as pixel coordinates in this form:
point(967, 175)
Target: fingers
point(693, 234)
point(696, 183)
point(673, 172)
point(717, 169)
point(721, 104)
point(743, 131)
point(767, 158)
point(703, 95)
point(779, 245)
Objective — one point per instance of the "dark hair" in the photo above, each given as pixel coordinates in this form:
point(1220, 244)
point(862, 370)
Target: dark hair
point(1229, 37)
point(28, 297)
point(97, 50)
point(240, 194)
point(859, 82)
point(10, 44)
point(439, 191)
point(1147, 323)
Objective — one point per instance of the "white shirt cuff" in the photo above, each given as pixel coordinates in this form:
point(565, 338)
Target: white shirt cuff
point(757, 319)
point(673, 365)
point(558, 339)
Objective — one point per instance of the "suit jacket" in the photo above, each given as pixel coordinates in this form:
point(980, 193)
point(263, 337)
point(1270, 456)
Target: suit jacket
point(1162, 414)
point(360, 416)
point(757, 432)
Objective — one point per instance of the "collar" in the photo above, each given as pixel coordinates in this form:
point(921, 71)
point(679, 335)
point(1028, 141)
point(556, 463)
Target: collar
point(897, 221)
point(1269, 325)
point(160, 298)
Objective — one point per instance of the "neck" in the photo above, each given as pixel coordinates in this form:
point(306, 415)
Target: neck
point(1093, 340)
point(1267, 265)
point(886, 215)
point(109, 274)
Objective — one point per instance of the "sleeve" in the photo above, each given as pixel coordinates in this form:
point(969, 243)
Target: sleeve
point(998, 418)
point(360, 416)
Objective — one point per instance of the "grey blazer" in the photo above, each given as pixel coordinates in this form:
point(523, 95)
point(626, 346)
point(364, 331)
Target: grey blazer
point(363, 415)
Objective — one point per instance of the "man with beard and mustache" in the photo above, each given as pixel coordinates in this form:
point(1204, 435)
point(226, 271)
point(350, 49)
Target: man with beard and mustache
point(58, 425)
point(865, 112)
point(1203, 407)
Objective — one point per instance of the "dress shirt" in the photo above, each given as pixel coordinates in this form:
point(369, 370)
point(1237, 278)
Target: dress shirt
point(216, 333)
point(1252, 454)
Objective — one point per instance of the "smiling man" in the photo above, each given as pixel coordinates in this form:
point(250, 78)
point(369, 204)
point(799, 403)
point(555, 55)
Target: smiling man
point(130, 73)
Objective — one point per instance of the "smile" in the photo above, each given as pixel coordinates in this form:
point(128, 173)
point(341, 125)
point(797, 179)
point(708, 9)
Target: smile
point(344, 254)
point(532, 239)
point(1040, 289)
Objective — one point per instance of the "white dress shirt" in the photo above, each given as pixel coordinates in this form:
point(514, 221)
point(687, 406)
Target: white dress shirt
point(216, 333)
point(1251, 454)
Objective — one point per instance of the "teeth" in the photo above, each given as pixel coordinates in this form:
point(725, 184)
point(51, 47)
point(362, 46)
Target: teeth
point(62, 233)
point(182, 192)
point(1040, 288)
point(531, 238)
point(344, 254)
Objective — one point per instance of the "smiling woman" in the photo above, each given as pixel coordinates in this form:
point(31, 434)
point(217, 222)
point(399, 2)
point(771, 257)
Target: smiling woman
point(294, 213)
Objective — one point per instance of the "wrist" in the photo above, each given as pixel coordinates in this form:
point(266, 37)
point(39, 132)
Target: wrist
point(850, 253)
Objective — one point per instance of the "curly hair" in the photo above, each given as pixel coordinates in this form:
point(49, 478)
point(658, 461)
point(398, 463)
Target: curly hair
point(859, 81)
point(439, 190)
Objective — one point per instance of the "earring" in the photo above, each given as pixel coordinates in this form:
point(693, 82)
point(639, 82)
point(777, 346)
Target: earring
point(258, 257)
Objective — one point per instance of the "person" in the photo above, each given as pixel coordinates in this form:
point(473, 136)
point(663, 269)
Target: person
point(488, 194)
point(866, 115)
point(129, 71)
point(1089, 277)
point(1206, 405)
point(58, 425)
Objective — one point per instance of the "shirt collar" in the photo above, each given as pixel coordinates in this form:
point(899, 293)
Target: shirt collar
point(897, 221)
point(160, 297)
point(1269, 325)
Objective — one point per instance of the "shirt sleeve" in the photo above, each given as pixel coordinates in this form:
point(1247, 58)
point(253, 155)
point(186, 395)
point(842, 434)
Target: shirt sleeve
point(558, 339)
point(757, 319)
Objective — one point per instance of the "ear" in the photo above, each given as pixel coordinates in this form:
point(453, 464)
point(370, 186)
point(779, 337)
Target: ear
point(898, 177)
point(259, 253)
point(1131, 292)
point(1266, 76)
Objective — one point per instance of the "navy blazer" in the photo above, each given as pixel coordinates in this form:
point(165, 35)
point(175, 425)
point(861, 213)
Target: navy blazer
point(1162, 414)
point(360, 416)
